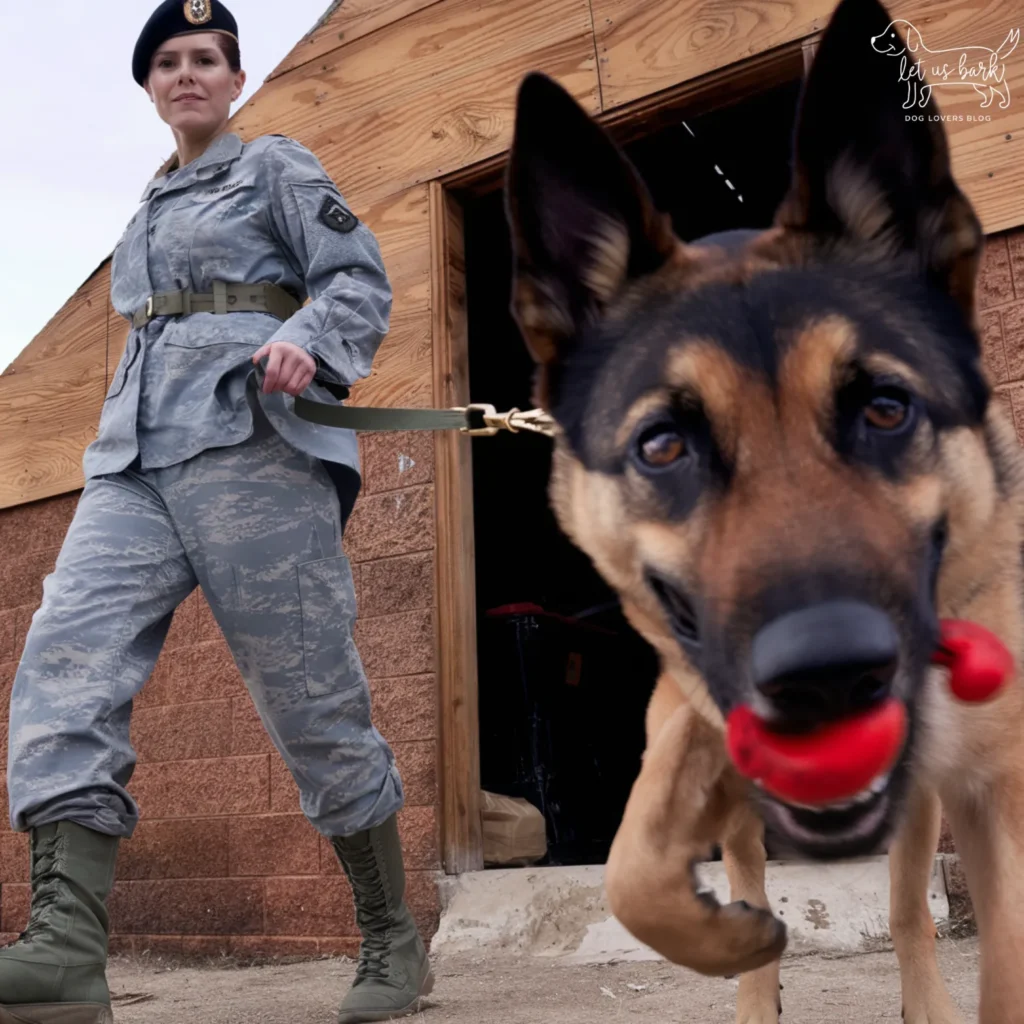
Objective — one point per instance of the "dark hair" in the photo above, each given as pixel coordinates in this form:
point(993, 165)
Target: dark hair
point(229, 47)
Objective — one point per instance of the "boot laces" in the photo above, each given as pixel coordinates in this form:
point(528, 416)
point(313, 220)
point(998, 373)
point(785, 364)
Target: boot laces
point(46, 887)
point(373, 963)
point(372, 914)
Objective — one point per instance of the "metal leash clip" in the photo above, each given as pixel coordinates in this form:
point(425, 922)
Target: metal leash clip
point(534, 421)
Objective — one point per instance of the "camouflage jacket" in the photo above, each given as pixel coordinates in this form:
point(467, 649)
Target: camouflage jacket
point(265, 211)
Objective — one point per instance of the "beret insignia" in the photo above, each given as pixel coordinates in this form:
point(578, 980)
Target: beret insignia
point(198, 12)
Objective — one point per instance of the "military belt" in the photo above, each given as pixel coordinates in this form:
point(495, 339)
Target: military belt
point(225, 298)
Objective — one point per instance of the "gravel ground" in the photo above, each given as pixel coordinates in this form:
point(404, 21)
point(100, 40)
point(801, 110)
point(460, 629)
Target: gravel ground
point(529, 990)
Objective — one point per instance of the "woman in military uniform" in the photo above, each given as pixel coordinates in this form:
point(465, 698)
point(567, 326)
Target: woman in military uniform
point(202, 475)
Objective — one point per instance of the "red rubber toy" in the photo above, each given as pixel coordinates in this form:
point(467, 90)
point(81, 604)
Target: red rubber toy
point(979, 663)
point(841, 759)
point(830, 764)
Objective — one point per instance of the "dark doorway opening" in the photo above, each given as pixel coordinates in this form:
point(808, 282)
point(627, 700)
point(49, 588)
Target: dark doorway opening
point(563, 679)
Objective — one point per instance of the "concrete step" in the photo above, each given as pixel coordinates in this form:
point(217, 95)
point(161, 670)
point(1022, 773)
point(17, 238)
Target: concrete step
point(562, 912)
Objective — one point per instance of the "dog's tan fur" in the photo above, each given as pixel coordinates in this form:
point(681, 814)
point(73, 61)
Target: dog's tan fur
point(812, 508)
point(688, 797)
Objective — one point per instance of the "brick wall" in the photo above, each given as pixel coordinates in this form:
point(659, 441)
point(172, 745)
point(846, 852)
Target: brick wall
point(1001, 305)
point(223, 860)
point(1001, 301)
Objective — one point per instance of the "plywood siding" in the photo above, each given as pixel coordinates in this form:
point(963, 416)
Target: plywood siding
point(988, 156)
point(429, 94)
point(392, 94)
point(459, 774)
point(51, 397)
point(79, 326)
point(645, 46)
point(401, 374)
point(349, 20)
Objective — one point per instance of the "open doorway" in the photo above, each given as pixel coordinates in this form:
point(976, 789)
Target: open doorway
point(563, 679)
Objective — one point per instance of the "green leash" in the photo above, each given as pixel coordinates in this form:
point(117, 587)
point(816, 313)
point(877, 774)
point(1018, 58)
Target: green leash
point(362, 418)
point(476, 420)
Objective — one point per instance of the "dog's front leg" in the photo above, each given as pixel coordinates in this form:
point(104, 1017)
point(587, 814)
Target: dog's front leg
point(679, 807)
point(925, 999)
point(743, 854)
point(988, 829)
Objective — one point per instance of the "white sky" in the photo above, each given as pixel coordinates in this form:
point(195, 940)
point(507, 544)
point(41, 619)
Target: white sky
point(81, 139)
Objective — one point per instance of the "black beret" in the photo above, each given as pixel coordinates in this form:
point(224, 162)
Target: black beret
point(174, 18)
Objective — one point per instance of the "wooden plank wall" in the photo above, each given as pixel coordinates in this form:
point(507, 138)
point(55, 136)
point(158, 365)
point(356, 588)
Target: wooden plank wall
point(646, 46)
point(393, 94)
point(346, 21)
point(988, 156)
point(428, 94)
point(459, 739)
point(51, 397)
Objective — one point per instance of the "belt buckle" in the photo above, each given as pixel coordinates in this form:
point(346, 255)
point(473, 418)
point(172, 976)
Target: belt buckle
point(149, 308)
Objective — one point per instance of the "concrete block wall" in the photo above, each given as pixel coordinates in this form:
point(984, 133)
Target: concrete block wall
point(223, 861)
point(1001, 304)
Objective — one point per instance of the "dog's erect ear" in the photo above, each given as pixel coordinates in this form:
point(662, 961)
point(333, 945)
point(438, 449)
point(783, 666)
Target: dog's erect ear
point(872, 173)
point(582, 222)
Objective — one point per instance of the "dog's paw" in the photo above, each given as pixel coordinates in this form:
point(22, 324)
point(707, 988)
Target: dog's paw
point(768, 1014)
point(740, 938)
point(925, 997)
point(759, 997)
point(941, 1012)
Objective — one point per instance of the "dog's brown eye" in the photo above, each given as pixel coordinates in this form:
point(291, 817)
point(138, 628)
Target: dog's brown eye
point(886, 411)
point(661, 447)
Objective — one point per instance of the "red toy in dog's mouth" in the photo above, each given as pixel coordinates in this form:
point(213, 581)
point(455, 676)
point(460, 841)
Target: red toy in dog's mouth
point(850, 759)
point(835, 762)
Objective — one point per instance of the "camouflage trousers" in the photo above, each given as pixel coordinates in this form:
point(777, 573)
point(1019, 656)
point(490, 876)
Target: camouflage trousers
point(258, 527)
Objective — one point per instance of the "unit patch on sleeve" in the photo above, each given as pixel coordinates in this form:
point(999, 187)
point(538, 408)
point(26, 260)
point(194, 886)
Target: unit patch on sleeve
point(336, 217)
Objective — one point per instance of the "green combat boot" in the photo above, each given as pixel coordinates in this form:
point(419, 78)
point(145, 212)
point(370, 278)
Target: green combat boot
point(56, 972)
point(393, 973)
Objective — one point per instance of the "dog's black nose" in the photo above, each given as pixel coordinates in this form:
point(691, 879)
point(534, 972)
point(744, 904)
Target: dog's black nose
point(826, 661)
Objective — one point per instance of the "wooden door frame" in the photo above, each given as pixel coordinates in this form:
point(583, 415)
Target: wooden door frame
point(458, 768)
point(455, 609)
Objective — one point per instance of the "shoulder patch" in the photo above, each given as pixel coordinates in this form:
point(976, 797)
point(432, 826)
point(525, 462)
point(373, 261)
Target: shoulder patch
point(336, 216)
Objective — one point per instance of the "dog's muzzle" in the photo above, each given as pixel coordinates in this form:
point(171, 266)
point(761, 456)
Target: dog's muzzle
point(824, 662)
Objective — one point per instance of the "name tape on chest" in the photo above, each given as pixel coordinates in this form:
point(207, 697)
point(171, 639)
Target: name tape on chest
point(337, 217)
point(221, 188)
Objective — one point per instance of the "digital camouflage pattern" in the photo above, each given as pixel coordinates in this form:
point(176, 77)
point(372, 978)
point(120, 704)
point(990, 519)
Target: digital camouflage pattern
point(258, 526)
point(196, 477)
point(243, 214)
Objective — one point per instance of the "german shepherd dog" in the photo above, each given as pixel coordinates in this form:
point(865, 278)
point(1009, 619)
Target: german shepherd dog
point(788, 431)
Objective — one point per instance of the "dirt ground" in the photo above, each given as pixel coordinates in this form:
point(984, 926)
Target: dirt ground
point(816, 990)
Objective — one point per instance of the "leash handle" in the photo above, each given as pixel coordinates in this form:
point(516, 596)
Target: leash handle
point(338, 391)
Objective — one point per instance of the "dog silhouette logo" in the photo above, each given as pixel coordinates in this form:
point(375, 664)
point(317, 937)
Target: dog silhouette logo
point(976, 67)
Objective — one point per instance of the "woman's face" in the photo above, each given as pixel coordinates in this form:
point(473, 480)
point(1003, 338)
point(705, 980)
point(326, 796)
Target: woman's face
point(192, 85)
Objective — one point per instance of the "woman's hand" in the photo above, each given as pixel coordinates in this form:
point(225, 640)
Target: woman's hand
point(289, 368)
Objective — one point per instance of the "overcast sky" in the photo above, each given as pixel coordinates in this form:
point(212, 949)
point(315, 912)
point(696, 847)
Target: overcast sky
point(81, 139)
